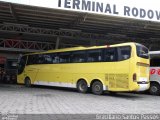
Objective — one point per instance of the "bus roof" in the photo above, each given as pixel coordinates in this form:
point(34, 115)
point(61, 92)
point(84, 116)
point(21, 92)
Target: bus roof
point(83, 48)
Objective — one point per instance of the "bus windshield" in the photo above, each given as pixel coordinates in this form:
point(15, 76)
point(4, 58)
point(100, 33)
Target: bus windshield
point(21, 65)
point(142, 51)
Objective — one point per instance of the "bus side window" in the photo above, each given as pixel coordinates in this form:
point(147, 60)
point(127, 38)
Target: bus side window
point(78, 57)
point(110, 55)
point(94, 55)
point(31, 60)
point(54, 58)
point(64, 57)
point(124, 53)
point(40, 59)
point(47, 58)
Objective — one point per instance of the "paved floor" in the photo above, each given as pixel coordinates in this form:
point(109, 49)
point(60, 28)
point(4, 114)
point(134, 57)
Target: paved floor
point(17, 99)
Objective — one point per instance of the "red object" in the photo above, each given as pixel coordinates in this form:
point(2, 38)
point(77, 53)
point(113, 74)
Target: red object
point(155, 71)
point(2, 60)
point(152, 71)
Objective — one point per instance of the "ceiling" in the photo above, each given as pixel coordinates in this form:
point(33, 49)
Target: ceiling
point(40, 24)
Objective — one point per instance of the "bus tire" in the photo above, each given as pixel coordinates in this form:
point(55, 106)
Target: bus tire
point(82, 86)
point(97, 88)
point(27, 82)
point(154, 89)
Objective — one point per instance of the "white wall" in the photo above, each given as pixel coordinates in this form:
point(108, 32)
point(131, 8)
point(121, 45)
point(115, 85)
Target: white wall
point(139, 9)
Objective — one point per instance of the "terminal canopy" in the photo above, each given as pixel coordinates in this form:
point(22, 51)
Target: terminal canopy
point(61, 28)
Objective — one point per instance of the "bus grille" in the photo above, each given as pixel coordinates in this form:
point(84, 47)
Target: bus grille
point(118, 80)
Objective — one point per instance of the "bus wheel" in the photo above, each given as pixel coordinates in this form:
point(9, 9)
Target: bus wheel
point(97, 88)
point(154, 89)
point(82, 86)
point(27, 82)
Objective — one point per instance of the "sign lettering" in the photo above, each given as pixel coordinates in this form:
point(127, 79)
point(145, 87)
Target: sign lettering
point(110, 9)
point(121, 8)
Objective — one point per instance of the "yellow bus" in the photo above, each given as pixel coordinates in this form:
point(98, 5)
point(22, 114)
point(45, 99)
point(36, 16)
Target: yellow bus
point(114, 68)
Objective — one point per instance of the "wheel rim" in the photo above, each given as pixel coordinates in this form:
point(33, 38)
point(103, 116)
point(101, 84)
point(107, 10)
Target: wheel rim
point(97, 88)
point(82, 87)
point(154, 89)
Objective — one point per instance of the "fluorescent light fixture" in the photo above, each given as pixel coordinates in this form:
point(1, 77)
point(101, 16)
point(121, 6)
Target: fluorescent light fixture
point(118, 35)
point(7, 23)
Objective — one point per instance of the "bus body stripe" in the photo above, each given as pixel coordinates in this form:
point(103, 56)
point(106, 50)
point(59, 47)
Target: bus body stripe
point(58, 84)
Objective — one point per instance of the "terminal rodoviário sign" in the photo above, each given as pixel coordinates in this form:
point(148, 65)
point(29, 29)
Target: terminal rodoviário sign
point(111, 7)
point(138, 9)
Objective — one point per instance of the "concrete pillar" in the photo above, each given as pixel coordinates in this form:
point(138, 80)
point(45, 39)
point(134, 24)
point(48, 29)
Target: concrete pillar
point(57, 43)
